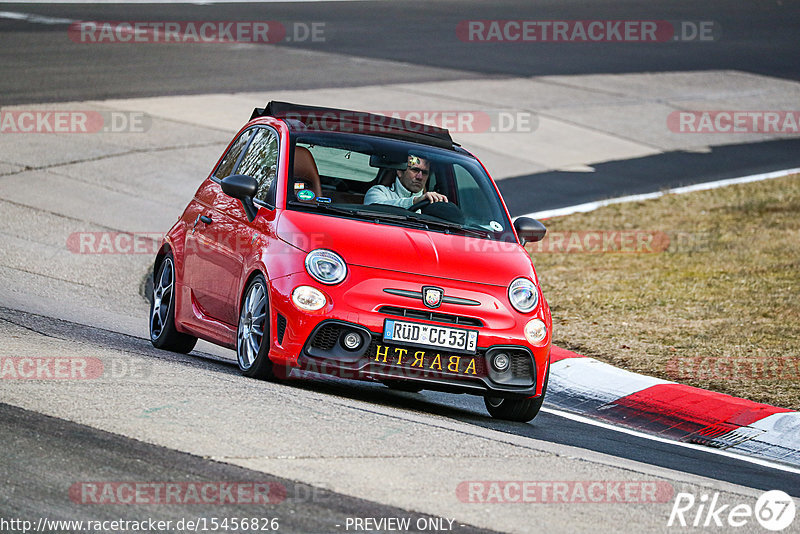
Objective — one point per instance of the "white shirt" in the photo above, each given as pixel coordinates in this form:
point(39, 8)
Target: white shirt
point(396, 195)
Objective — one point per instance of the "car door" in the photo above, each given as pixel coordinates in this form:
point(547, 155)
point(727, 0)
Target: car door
point(222, 237)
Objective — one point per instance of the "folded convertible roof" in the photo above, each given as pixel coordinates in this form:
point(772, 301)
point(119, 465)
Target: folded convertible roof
point(316, 118)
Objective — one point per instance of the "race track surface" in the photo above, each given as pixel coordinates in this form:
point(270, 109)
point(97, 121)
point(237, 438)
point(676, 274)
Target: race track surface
point(340, 449)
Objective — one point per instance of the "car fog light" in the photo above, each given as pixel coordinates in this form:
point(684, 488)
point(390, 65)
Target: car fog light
point(351, 341)
point(501, 361)
point(308, 298)
point(535, 331)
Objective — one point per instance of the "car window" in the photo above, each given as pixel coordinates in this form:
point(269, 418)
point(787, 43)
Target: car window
point(342, 163)
point(350, 166)
point(229, 161)
point(261, 162)
point(477, 201)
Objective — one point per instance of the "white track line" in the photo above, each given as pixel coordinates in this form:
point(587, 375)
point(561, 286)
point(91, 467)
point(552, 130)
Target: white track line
point(702, 448)
point(591, 206)
point(33, 18)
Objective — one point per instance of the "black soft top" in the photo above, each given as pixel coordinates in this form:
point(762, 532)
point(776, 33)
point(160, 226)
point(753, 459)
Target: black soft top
point(316, 118)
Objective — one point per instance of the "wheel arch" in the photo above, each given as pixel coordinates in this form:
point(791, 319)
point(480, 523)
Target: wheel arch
point(167, 248)
point(160, 255)
point(254, 271)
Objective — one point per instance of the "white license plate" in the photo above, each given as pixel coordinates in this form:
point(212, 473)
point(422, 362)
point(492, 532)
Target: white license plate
point(426, 335)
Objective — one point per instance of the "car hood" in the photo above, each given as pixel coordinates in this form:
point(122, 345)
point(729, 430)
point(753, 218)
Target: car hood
point(410, 250)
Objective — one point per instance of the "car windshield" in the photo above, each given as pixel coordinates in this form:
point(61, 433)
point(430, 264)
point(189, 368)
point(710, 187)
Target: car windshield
point(365, 177)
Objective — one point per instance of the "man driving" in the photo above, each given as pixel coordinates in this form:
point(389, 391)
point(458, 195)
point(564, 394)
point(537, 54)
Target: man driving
point(408, 187)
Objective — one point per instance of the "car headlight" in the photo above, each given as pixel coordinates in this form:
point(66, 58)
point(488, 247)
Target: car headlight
point(535, 331)
point(308, 298)
point(326, 266)
point(523, 295)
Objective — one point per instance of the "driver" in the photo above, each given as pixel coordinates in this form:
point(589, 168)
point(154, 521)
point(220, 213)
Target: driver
point(407, 188)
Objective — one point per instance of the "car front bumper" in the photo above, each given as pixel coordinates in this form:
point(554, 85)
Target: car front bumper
point(313, 341)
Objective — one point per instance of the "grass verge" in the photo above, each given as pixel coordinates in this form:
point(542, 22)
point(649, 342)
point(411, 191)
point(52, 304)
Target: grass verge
point(701, 288)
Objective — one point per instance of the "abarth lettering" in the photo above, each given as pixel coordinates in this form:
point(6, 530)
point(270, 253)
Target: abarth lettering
point(462, 365)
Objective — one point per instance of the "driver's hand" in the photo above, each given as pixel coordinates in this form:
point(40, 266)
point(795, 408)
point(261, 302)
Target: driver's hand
point(434, 197)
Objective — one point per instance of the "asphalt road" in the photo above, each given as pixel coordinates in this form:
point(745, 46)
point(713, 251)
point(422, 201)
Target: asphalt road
point(362, 43)
point(467, 409)
point(59, 486)
point(99, 432)
point(419, 35)
point(534, 192)
point(186, 413)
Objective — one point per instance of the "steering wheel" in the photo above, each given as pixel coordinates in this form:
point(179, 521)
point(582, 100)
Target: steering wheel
point(421, 204)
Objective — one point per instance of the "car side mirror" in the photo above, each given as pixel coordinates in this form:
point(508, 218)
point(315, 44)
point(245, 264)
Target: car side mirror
point(529, 229)
point(244, 188)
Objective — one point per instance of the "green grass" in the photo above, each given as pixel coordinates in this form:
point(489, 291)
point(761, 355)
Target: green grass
point(718, 309)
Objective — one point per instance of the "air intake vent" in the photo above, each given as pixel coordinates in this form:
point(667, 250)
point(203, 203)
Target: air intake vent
point(281, 328)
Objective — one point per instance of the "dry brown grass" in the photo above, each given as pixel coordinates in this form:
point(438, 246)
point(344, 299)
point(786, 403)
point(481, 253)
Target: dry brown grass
point(719, 309)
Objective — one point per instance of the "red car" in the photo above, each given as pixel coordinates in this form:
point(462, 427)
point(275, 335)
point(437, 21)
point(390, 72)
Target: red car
point(361, 246)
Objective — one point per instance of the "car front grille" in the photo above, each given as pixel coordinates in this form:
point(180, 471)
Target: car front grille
point(426, 315)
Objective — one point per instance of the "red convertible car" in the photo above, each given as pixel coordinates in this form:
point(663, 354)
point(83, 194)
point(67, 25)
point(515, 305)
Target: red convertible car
point(361, 246)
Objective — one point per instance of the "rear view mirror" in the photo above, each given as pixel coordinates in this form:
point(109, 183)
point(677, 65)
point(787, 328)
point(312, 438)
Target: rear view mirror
point(397, 161)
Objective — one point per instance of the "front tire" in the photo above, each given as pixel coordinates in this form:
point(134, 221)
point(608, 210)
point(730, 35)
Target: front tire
point(252, 335)
point(163, 334)
point(519, 410)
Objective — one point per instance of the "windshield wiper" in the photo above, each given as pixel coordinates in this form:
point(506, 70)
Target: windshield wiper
point(323, 205)
point(371, 215)
point(448, 225)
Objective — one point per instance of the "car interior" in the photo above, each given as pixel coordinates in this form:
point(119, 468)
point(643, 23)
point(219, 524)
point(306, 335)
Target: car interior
point(343, 191)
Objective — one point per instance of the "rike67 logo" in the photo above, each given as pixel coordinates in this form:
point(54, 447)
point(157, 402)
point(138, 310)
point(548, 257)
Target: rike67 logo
point(774, 511)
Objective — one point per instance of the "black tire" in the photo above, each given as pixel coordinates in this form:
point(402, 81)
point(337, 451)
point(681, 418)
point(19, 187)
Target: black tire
point(163, 334)
point(516, 409)
point(402, 385)
point(253, 334)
